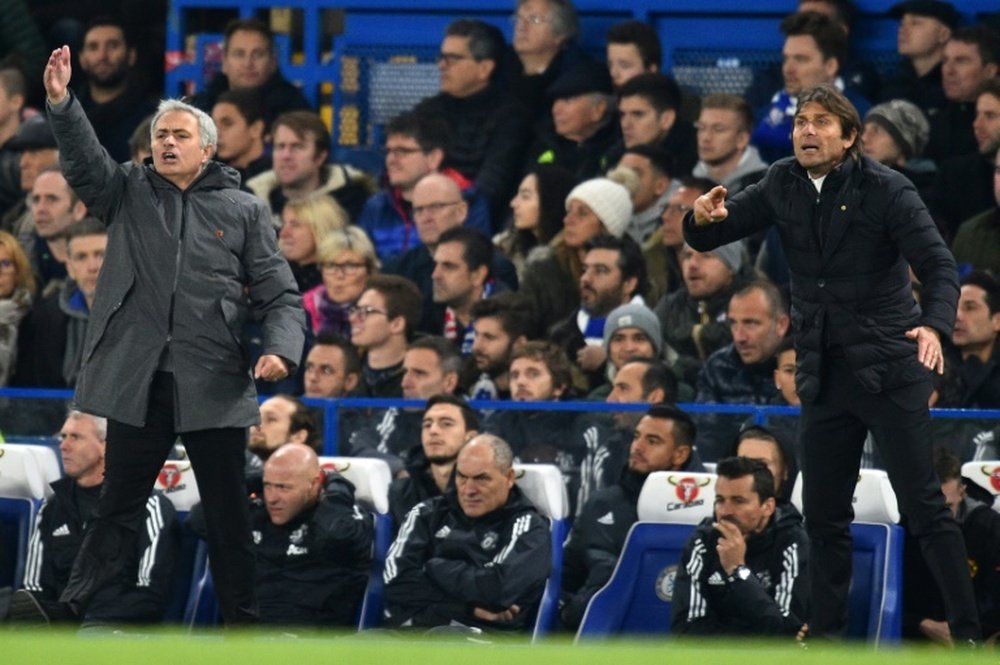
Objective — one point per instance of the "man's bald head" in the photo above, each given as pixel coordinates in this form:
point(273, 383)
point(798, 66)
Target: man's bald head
point(437, 206)
point(293, 481)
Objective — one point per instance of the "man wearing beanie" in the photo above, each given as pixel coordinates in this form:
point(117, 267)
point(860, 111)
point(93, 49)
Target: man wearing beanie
point(552, 274)
point(742, 372)
point(583, 131)
point(964, 184)
point(614, 273)
point(693, 318)
point(631, 331)
point(925, 26)
point(895, 134)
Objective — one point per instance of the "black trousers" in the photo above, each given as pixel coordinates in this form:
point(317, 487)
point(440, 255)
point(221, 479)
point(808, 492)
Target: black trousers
point(833, 435)
point(133, 458)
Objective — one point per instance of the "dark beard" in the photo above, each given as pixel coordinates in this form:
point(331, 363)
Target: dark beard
point(439, 460)
point(112, 80)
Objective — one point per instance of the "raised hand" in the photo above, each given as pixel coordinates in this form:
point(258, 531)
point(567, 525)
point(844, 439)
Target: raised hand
point(58, 71)
point(270, 368)
point(710, 208)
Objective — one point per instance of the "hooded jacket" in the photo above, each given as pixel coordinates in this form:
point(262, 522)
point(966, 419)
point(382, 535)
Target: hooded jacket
point(444, 564)
point(774, 600)
point(184, 271)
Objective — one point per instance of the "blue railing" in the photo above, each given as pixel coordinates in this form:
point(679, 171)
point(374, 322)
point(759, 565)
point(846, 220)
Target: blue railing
point(330, 409)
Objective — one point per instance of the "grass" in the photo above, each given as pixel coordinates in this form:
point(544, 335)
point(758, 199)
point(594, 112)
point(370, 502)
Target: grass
point(171, 648)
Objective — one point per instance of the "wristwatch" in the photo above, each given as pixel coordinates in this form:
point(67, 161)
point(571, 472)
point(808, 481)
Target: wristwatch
point(741, 574)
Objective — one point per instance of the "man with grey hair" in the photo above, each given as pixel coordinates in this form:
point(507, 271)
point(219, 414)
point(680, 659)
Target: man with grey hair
point(477, 556)
point(190, 258)
point(140, 591)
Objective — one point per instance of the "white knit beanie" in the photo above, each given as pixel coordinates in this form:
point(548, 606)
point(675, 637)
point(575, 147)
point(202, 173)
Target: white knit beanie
point(609, 201)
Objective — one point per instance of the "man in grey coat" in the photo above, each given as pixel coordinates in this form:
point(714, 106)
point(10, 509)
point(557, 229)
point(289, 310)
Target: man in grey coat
point(189, 259)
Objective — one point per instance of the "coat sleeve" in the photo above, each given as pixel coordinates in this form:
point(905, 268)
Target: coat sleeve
point(515, 576)
point(749, 213)
point(409, 593)
point(39, 575)
point(912, 228)
point(95, 177)
point(691, 613)
point(588, 564)
point(274, 295)
point(157, 551)
point(347, 537)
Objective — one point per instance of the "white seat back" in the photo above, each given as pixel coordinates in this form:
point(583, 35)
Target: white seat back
point(677, 497)
point(21, 475)
point(177, 482)
point(370, 477)
point(874, 500)
point(543, 485)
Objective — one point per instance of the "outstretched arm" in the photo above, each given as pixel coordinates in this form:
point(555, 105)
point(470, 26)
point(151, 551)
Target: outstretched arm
point(710, 208)
point(57, 74)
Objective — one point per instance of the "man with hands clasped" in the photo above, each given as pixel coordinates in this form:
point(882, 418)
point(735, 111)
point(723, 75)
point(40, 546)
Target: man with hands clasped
point(190, 259)
point(746, 572)
point(850, 228)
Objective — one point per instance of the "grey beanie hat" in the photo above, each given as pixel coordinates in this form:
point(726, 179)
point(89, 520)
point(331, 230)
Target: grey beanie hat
point(905, 122)
point(732, 255)
point(609, 200)
point(634, 315)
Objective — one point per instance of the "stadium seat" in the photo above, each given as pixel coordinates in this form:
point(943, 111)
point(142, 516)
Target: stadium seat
point(23, 486)
point(986, 474)
point(874, 610)
point(637, 598)
point(371, 478)
point(543, 485)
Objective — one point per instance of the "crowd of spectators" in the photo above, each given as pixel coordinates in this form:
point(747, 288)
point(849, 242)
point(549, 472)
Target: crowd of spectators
point(524, 243)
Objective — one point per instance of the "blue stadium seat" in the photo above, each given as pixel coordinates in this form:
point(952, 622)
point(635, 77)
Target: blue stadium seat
point(874, 610)
point(25, 474)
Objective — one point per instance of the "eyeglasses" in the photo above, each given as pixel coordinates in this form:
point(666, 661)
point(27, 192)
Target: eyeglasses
point(364, 312)
point(452, 58)
point(400, 152)
point(529, 19)
point(7, 264)
point(676, 208)
point(346, 268)
point(433, 207)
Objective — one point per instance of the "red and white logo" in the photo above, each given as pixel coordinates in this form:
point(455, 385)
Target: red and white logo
point(687, 488)
point(170, 476)
point(994, 476)
point(334, 466)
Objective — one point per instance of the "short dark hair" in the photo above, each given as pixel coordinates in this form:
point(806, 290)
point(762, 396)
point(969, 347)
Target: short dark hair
point(511, 309)
point(430, 131)
point(660, 159)
point(730, 102)
point(469, 416)
point(987, 283)
point(402, 298)
point(642, 35)
point(836, 103)
point(140, 140)
point(106, 20)
point(247, 101)
point(772, 294)
point(247, 25)
point(352, 361)
point(660, 90)
point(631, 261)
point(477, 250)
point(88, 226)
point(990, 86)
point(303, 123)
point(734, 468)
point(703, 185)
point(684, 430)
point(656, 375)
point(947, 465)
point(447, 355)
point(846, 11)
point(830, 38)
point(303, 420)
point(486, 42)
point(985, 39)
point(552, 356)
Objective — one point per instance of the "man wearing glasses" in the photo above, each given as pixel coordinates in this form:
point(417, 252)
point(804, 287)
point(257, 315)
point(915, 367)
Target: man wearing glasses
point(490, 131)
point(416, 145)
point(382, 323)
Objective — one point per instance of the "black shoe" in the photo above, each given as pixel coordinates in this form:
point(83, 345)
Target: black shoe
point(26, 609)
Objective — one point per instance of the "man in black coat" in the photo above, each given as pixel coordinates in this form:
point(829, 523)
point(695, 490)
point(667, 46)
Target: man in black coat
point(851, 228)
